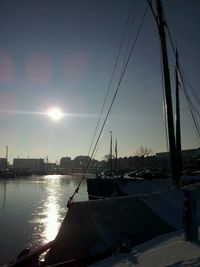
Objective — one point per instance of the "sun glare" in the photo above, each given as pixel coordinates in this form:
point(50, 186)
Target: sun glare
point(55, 114)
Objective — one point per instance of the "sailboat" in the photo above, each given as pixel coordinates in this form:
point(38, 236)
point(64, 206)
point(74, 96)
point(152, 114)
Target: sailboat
point(94, 230)
point(107, 183)
point(112, 171)
point(6, 173)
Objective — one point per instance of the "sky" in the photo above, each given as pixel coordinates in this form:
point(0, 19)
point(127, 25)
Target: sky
point(61, 54)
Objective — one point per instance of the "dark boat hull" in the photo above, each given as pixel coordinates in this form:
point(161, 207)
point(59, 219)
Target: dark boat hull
point(7, 174)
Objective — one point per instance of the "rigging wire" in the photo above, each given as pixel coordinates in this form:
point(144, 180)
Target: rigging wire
point(192, 107)
point(129, 35)
point(191, 87)
point(196, 124)
point(62, 263)
point(182, 74)
point(130, 14)
point(131, 11)
point(110, 107)
point(169, 33)
point(153, 12)
point(123, 72)
point(183, 77)
point(195, 108)
point(194, 94)
point(158, 191)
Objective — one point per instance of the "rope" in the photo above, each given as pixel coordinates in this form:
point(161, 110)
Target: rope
point(147, 195)
point(190, 103)
point(153, 12)
point(61, 263)
point(103, 106)
point(129, 35)
point(188, 185)
point(196, 124)
point(192, 91)
point(111, 79)
point(110, 107)
point(191, 87)
point(112, 75)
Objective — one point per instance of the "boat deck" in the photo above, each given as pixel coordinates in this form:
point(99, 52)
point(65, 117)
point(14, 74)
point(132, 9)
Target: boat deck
point(166, 250)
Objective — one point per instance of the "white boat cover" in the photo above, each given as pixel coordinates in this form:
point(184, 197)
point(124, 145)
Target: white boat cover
point(167, 250)
point(92, 228)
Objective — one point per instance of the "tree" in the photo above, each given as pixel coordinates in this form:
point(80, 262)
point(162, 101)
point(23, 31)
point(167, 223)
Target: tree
point(144, 152)
point(107, 157)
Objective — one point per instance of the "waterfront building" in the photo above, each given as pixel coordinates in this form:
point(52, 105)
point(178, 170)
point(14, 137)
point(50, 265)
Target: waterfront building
point(190, 158)
point(51, 167)
point(3, 163)
point(186, 154)
point(32, 165)
point(65, 162)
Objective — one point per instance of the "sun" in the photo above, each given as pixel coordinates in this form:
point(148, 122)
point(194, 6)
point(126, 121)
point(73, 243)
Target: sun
point(55, 114)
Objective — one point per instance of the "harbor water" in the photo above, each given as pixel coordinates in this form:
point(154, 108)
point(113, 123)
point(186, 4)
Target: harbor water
point(32, 209)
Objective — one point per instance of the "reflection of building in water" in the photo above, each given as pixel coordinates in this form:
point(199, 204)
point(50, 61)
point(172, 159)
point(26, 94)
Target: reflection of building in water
point(28, 164)
point(4, 194)
point(3, 163)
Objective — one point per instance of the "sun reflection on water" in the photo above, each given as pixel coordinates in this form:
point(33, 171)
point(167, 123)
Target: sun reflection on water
point(48, 216)
point(51, 222)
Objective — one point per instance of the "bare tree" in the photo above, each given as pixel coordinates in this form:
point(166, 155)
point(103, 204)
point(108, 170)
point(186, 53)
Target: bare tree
point(107, 157)
point(144, 152)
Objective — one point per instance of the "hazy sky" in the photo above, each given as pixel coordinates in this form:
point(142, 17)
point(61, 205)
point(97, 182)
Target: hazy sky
point(61, 53)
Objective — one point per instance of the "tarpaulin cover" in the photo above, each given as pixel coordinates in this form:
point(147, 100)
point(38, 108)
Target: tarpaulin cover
point(94, 227)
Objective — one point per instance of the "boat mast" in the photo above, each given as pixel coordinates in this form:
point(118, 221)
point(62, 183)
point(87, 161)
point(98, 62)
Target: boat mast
point(6, 156)
point(178, 124)
point(168, 98)
point(110, 152)
point(116, 154)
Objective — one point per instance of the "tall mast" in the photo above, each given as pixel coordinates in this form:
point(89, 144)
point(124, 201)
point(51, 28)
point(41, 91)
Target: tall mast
point(6, 156)
point(116, 154)
point(111, 152)
point(168, 98)
point(178, 124)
